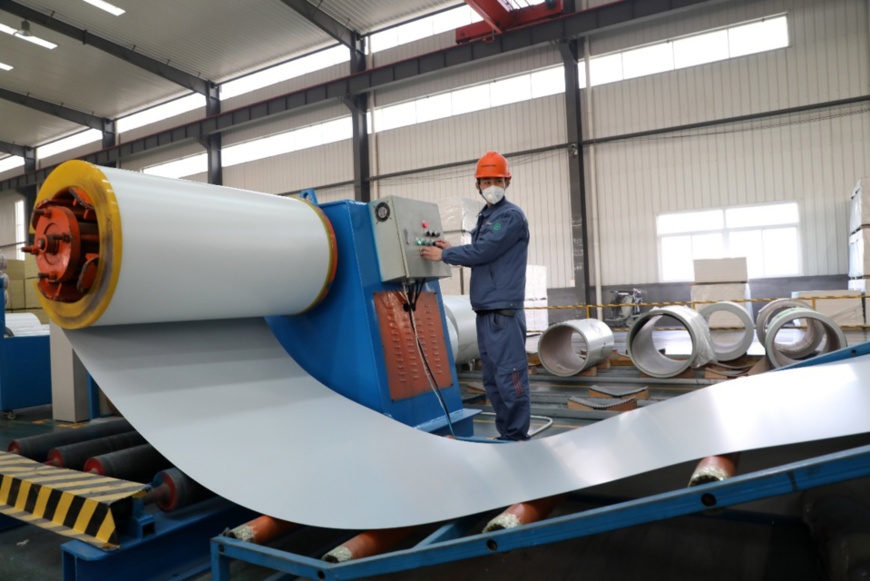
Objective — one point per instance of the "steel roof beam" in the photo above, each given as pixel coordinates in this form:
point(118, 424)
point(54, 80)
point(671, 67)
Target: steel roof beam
point(66, 113)
point(13, 148)
point(574, 25)
point(149, 64)
point(326, 23)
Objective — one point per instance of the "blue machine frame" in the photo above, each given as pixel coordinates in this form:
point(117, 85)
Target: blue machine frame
point(445, 544)
point(25, 370)
point(339, 341)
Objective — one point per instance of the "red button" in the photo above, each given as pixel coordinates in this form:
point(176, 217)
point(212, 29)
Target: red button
point(425, 224)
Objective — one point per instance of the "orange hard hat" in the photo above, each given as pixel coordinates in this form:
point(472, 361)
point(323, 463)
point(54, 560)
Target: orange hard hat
point(492, 165)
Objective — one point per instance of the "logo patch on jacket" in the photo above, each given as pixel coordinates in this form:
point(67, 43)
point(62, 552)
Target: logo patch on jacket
point(496, 226)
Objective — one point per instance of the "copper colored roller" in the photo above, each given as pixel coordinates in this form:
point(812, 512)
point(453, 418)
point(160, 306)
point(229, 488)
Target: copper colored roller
point(261, 530)
point(524, 513)
point(715, 469)
point(367, 544)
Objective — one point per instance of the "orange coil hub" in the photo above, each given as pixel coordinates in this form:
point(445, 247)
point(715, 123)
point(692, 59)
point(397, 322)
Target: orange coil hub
point(66, 245)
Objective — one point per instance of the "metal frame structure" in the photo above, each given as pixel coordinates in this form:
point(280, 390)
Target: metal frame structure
point(447, 543)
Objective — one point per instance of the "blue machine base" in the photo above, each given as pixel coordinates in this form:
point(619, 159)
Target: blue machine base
point(172, 545)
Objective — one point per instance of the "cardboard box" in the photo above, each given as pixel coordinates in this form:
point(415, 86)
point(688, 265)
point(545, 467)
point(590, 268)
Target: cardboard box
point(16, 295)
point(847, 309)
point(859, 257)
point(459, 214)
point(31, 295)
point(15, 270)
point(733, 292)
point(30, 268)
point(537, 319)
point(859, 284)
point(719, 270)
point(536, 282)
point(859, 208)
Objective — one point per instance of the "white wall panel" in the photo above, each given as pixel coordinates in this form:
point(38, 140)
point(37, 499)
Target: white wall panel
point(491, 69)
point(309, 168)
point(811, 158)
point(827, 60)
point(7, 222)
point(516, 127)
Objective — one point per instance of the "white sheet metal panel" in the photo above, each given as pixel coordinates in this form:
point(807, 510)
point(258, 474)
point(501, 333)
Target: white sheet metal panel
point(492, 69)
point(324, 165)
point(539, 184)
point(189, 387)
point(827, 60)
point(810, 158)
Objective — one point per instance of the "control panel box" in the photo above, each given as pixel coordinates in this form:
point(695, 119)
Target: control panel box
point(402, 227)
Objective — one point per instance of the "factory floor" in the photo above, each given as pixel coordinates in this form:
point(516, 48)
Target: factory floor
point(755, 542)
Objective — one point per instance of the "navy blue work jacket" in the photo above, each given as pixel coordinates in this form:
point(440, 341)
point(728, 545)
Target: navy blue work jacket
point(497, 256)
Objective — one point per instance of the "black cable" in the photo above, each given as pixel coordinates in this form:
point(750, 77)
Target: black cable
point(412, 294)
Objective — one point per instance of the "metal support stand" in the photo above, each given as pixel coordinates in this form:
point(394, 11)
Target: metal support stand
point(170, 545)
point(447, 544)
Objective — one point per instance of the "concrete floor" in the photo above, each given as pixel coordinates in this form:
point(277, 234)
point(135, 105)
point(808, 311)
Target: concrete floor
point(758, 542)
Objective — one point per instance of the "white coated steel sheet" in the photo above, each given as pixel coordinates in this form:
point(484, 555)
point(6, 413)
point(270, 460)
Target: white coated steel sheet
point(226, 404)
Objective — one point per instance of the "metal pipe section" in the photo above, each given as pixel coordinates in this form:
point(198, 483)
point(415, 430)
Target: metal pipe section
point(464, 319)
point(730, 350)
point(715, 469)
point(524, 513)
point(37, 447)
point(74, 456)
point(834, 338)
point(798, 349)
point(367, 544)
point(562, 355)
point(648, 359)
point(261, 530)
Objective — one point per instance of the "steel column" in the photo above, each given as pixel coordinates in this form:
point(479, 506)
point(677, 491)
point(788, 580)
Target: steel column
point(572, 25)
point(576, 179)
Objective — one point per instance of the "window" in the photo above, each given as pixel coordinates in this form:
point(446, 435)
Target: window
point(20, 229)
point(766, 235)
point(698, 49)
point(11, 162)
point(294, 140)
point(83, 138)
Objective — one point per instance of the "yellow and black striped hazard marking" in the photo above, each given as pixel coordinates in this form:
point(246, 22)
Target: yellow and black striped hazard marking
point(75, 504)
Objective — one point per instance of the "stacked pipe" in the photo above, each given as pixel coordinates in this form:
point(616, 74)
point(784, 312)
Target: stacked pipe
point(560, 356)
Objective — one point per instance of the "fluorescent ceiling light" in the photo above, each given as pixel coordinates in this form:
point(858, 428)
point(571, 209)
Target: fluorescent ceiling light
point(24, 34)
point(110, 8)
point(6, 67)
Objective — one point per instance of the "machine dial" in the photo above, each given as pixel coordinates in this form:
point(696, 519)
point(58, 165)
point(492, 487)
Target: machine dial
point(382, 212)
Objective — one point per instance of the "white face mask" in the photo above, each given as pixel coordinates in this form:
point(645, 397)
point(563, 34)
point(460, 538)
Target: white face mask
point(493, 194)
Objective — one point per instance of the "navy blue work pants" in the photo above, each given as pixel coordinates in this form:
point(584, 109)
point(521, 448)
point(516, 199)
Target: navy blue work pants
point(502, 342)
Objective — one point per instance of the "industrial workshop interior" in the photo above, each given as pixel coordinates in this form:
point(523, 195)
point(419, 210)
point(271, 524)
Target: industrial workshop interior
point(435, 289)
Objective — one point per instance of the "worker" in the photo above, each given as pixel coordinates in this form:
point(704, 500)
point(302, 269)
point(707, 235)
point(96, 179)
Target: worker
point(497, 256)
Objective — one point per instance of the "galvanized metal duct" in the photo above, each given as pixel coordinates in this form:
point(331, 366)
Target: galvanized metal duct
point(809, 339)
point(561, 355)
point(646, 357)
point(830, 331)
point(724, 349)
point(458, 311)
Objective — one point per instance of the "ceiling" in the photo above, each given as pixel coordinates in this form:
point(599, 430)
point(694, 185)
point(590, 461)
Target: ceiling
point(213, 40)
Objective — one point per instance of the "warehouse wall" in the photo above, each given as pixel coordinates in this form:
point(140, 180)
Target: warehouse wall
point(813, 158)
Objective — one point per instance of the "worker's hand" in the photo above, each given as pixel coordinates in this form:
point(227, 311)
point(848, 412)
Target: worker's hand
point(442, 244)
point(432, 253)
